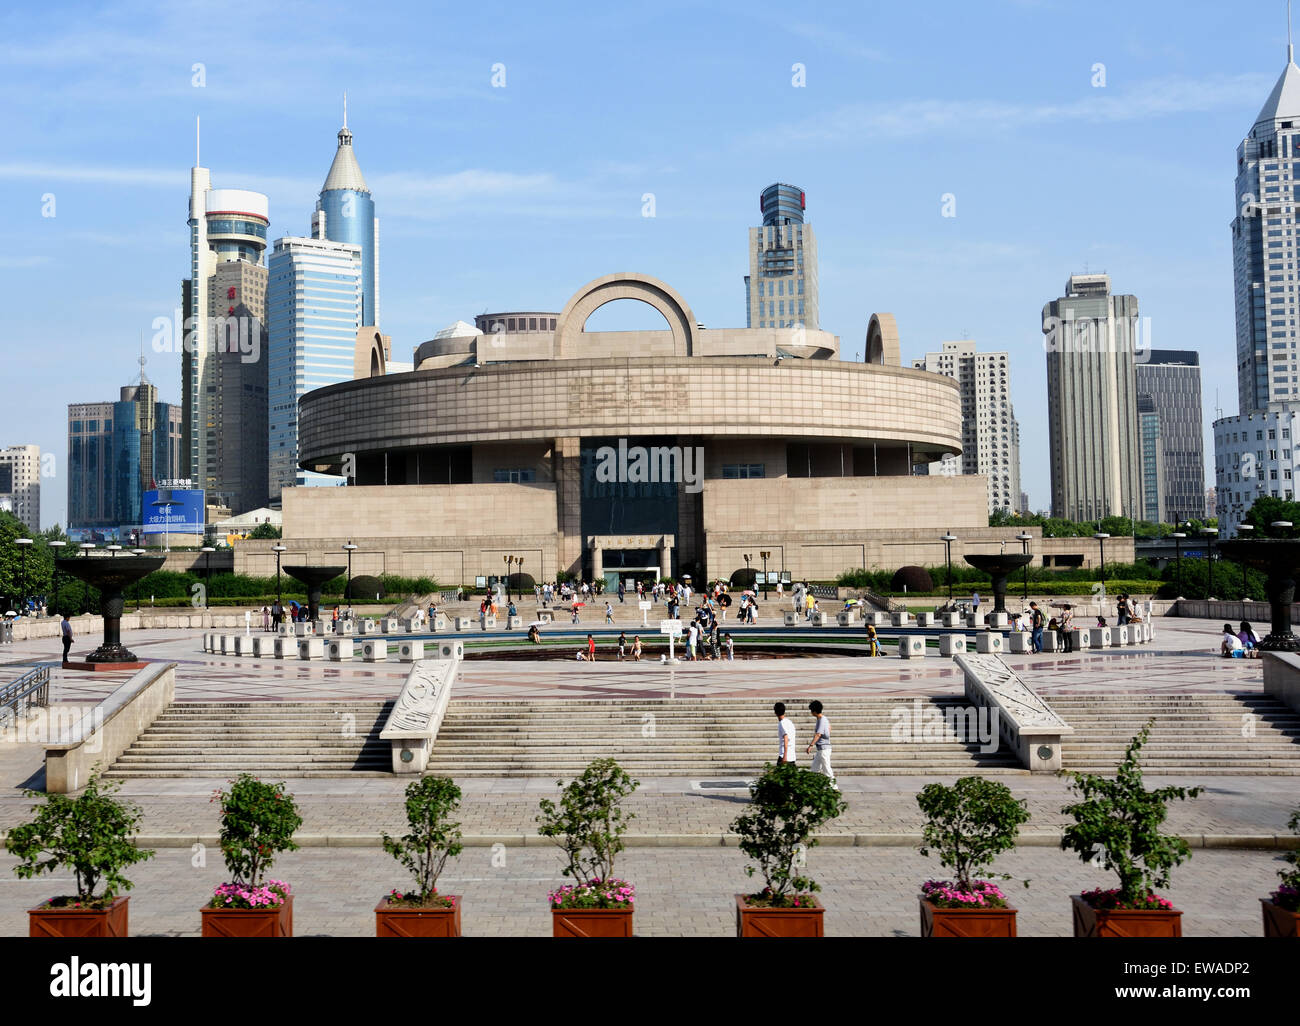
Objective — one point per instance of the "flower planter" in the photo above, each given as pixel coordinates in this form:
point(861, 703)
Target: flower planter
point(79, 922)
point(777, 922)
point(1278, 921)
point(393, 921)
point(591, 922)
point(966, 922)
point(1118, 922)
point(249, 922)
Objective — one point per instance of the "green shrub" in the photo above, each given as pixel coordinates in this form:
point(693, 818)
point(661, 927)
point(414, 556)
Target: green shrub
point(968, 825)
point(588, 823)
point(433, 837)
point(258, 821)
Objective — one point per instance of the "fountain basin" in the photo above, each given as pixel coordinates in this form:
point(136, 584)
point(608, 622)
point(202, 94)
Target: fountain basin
point(313, 577)
point(110, 575)
point(1279, 558)
point(999, 565)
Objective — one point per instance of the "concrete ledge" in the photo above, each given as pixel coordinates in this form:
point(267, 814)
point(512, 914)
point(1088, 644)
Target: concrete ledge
point(1282, 678)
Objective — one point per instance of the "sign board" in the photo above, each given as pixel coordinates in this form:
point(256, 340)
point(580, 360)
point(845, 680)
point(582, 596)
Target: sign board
point(644, 604)
point(671, 627)
point(173, 511)
point(480, 581)
point(773, 577)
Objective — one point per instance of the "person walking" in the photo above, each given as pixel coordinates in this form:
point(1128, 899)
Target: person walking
point(591, 648)
point(1036, 626)
point(65, 629)
point(1067, 628)
point(975, 605)
point(622, 645)
point(636, 648)
point(784, 735)
point(622, 590)
point(609, 613)
point(820, 746)
point(266, 618)
point(731, 648)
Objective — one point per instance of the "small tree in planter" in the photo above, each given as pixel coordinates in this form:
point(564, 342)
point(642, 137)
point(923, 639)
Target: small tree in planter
point(258, 821)
point(89, 835)
point(968, 825)
point(1117, 826)
point(789, 805)
point(433, 839)
point(1282, 914)
point(588, 825)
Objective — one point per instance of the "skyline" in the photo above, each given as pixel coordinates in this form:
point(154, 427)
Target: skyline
point(492, 200)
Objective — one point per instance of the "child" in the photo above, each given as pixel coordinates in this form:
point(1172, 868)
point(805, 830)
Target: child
point(622, 646)
point(636, 648)
point(731, 649)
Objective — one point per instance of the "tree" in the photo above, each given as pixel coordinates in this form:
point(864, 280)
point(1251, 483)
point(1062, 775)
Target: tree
point(589, 822)
point(266, 531)
point(969, 825)
point(433, 839)
point(1267, 510)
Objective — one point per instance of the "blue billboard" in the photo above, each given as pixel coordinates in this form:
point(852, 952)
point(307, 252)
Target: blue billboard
point(173, 511)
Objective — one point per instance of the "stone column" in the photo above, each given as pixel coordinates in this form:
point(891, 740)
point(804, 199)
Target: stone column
point(665, 558)
point(568, 498)
point(597, 561)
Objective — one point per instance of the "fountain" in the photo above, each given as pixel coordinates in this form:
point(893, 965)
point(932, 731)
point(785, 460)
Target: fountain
point(1279, 558)
point(110, 575)
point(313, 577)
point(999, 566)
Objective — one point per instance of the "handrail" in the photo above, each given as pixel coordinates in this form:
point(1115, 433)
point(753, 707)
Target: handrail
point(32, 688)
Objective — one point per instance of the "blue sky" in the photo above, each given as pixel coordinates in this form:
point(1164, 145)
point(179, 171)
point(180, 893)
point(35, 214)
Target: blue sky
point(512, 198)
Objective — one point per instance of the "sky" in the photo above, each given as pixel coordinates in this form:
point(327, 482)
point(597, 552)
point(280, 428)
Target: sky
point(1066, 137)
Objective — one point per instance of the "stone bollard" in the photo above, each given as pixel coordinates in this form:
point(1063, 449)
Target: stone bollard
point(1099, 637)
point(998, 620)
point(302, 629)
point(1051, 642)
point(410, 651)
point(311, 648)
point(1082, 638)
point(243, 644)
point(902, 618)
point(489, 622)
point(1021, 643)
point(952, 644)
point(818, 619)
point(283, 647)
point(388, 626)
point(366, 627)
point(262, 645)
point(513, 623)
point(374, 651)
point(911, 647)
point(451, 649)
point(791, 619)
point(953, 620)
point(846, 617)
point(345, 627)
point(925, 619)
point(463, 623)
point(1119, 636)
point(990, 643)
point(340, 650)
point(285, 629)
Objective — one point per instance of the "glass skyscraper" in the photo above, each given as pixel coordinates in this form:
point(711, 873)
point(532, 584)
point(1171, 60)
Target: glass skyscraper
point(345, 212)
point(1171, 379)
point(781, 287)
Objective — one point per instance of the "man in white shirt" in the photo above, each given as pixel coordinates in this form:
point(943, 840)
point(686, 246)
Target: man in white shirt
point(820, 746)
point(785, 734)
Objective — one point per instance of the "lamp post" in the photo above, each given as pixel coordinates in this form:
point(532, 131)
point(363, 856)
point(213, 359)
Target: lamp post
point(947, 540)
point(1101, 537)
point(766, 556)
point(57, 546)
point(135, 552)
point(1209, 533)
point(747, 559)
point(1178, 537)
point(23, 545)
point(278, 550)
point(86, 547)
point(519, 562)
point(114, 549)
point(207, 551)
point(1248, 530)
point(349, 548)
point(1281, 525)
point(1025, 538)
point(509, 562)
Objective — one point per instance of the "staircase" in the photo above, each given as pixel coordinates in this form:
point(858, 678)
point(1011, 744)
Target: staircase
point(290, 739)
point(666, 738)
point(1193, 734)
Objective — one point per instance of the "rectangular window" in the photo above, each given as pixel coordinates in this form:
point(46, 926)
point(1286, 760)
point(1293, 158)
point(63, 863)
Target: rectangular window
point(740, 471)
point(532, 323)
point(510, 324)
point(514, 475)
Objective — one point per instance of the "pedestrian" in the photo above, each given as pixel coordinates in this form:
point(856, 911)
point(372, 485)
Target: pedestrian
point(622, 590)
point(1067, 628)
point(715, 640)
point(692, 636)
point(266, 618)
point(609, 613)
point(820, 746)
point(785, 735)
point(1121, 610)
point(731, 649)
point(1036, 626)
point(622, 645)
point(636, 648)
point(65, 628)
point(872, 640)
point(591, 648)
point(975, 605)
point(576, 607)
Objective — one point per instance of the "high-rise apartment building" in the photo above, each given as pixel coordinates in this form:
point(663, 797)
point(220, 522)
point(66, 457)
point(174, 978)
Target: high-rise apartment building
point(1093, 344)
point(990, 435)
point(20, 483)
point(781, 287)
point(314, 298)
point(223, 365)
point(1172, 380)
point(1152, 458)
point(345, 212)
point(117, 451)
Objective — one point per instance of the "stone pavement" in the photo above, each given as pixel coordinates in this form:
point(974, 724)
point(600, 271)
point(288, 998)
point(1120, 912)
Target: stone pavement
point(680, 892)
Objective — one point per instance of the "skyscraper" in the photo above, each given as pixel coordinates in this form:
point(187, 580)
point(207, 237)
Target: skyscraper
point(990, 436)
point(1152, 461)
point(20, 483)
point(345, 212)
point(314, 299)
point(1171, 378)
point(1093, 339)
point(223, 364)
point(781, 287)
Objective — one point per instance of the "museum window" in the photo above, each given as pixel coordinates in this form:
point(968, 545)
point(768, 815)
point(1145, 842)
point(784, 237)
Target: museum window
point(739, 471)
point(514, 475)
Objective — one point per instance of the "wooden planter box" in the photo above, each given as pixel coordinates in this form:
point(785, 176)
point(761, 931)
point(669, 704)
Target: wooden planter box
point(78, 922)
point(1278, 921)
point(417, 922)
point(777, 922)
point(249, 922)
point(591, 922)
point(1092, 922)
point(966, 922)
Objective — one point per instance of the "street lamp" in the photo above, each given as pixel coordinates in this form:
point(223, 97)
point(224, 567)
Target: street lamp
point(207, 551)
point(947, 540)
point(1101, 537)
point(766, 556)
point(1025, 538)
point(1178, 537)
point(86, 547)
point(115, 549)
point(57, 546)
point(277, 549)
point(134, 552)
point(349, 548)
point(1283, 525)
point(519, 562)
point(1247, 528)
point(23, 544)
point(1209, 533)
point(509, 562)
point(747, 559)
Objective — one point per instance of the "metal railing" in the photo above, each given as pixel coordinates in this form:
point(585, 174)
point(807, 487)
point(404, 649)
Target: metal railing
point(19, 696)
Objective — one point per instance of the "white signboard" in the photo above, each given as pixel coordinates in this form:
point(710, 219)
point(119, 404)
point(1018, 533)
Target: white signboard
point(645, 604)
point(671, 627)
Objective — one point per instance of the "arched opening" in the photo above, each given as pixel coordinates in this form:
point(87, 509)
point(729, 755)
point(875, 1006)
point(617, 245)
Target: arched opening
point(626, 315)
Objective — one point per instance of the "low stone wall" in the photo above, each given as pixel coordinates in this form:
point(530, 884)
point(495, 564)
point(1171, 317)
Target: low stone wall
point(1233, 612)
point(1282, 677)
point(109, 729)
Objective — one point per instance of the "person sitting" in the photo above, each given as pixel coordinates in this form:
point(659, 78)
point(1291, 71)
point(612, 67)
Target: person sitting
point(1249, 640)
point(1231, 646)
point(534, 635)
point(1101, 621)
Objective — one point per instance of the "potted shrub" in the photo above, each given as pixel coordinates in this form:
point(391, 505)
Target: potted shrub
point(968, 825)
point(258, 821)
point(588, 824)
point(433, 839)
point(1282, 914)
point(789, 805)
point(89, 835)
point(1117, 826)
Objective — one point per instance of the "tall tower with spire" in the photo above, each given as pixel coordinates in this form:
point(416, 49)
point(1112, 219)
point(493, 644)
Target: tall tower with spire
point(345, 212)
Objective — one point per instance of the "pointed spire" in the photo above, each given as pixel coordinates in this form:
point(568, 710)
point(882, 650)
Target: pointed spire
point(345, 92)
point(197, 161)
point(1290, 50)
point(345, 173)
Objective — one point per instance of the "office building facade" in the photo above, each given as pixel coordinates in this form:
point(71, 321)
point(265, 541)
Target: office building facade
point(781, 287)
point(345, 212)
point(1094, 341)
point(1171, 378)
point(1254, 456)
point(20, 483)
point(990, 434)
